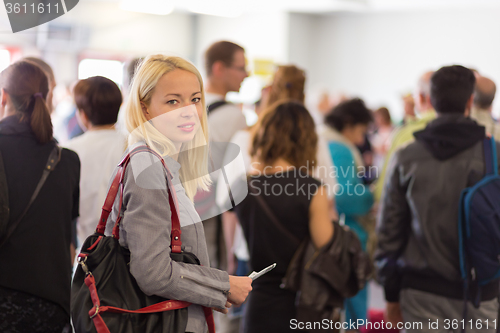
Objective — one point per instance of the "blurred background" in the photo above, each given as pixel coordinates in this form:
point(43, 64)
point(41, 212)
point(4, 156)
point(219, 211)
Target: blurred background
point(373, 49)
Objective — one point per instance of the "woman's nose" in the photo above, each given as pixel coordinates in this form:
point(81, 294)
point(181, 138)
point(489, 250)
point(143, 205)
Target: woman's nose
point(188, 111)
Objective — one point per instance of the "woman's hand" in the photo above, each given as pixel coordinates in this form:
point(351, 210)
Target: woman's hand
point(240, 286)
point(224, 310)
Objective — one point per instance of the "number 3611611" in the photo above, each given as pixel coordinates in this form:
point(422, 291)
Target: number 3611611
point(32, 8)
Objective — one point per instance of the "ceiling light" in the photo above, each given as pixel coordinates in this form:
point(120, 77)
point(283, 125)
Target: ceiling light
point(157, 7)
point(223, 8)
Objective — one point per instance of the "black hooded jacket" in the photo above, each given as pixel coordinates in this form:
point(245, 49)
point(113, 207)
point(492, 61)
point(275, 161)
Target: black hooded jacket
point(418, 217)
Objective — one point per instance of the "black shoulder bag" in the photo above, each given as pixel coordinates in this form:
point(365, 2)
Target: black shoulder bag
point(105, 297)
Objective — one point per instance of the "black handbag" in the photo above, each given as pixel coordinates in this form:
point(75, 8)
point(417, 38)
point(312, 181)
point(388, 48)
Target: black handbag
point(105, 297)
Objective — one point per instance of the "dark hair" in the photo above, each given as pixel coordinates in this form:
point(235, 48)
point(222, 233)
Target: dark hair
point(349, 113)
point(286, 131)
point(22, 80)
point(220, 51)
point(45, 67)
point(288, 83)
point(385, 114)
point(451, 88)
point(99, 98)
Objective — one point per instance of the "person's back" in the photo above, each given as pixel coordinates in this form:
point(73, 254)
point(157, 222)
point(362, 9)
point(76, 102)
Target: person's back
point(268, 244)
point(418, 252)
point(35, 259)
point(100, 148)
point(284, 205)
point(347, 124)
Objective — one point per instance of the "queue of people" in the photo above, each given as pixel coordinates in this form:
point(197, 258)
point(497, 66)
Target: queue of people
point(288, 187)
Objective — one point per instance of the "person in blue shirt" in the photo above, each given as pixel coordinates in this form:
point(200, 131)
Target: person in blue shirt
point(346, 128)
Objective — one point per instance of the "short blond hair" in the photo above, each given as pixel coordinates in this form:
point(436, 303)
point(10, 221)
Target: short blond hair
point(194, 163)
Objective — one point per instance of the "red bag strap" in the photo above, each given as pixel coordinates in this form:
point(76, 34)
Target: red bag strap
point(117, 184)
point(176, 244)
point(97, 309)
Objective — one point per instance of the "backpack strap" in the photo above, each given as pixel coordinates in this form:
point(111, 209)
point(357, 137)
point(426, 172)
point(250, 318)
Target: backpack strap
point(214, 106)
point(490, 156)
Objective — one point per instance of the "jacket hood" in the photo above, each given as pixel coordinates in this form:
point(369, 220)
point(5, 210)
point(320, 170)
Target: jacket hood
point(449, 135)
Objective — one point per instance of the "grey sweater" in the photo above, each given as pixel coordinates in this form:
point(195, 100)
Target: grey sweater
point(145, 231)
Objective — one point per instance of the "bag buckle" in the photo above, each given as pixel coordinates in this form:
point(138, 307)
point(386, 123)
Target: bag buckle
point(82, 262)
point(96, 311)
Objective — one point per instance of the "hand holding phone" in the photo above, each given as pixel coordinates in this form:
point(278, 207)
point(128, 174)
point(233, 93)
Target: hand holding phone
point(255, 275)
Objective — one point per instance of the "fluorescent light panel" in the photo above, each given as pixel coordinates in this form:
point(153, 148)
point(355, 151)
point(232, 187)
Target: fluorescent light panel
point(111, 69)
point(157, 7)
point(223, 8)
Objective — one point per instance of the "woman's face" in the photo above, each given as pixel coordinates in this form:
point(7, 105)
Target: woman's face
point(175, 109)
point(355, 133)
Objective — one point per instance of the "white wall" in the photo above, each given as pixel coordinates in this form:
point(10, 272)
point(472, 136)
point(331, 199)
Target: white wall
point(263, 34)
point(301, 41)
point(379, 56)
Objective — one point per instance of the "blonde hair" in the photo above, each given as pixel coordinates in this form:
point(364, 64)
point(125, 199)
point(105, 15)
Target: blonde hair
point(288, 83)
point(194, 161)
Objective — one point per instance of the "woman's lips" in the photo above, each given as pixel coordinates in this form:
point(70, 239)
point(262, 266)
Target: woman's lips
point(187, 127)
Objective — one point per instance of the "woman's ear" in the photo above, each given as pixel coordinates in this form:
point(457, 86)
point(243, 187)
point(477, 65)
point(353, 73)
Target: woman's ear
point(3, 97)
point(145, 111)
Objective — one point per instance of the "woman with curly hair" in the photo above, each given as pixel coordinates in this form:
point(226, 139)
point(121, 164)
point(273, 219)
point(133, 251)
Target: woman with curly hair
point(283, 148)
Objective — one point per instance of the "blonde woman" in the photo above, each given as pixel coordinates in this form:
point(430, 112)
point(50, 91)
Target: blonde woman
point(166, 111)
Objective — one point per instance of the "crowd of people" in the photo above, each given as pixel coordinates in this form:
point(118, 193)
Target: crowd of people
point(288, 186)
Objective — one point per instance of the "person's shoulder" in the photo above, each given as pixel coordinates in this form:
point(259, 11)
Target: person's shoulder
point(114, 139)
point(227, 109)
point(69, 154)
point(114, 133)
point(70, 158)
point(338, 148)
point(77, 142)
point(404, 134)
point(146, 166)
point(411, 151)
point(141, 156)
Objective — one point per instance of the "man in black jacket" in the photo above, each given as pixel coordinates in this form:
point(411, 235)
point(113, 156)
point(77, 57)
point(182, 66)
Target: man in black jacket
point(417, 256)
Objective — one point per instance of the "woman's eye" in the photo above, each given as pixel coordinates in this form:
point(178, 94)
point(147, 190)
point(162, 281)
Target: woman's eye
point(172, 102)
point(196, 100)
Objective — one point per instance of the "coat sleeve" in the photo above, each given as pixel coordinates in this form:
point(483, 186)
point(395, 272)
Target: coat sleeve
point(145, 230)
point(393, 228)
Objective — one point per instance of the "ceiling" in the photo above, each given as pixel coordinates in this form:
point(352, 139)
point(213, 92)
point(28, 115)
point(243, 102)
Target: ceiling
point(237, 7)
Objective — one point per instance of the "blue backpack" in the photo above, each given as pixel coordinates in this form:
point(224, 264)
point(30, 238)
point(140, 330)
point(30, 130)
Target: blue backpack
point(479, 228)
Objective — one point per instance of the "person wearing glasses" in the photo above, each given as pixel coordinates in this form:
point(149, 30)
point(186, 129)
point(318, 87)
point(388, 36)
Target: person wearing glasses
point(226, 69)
